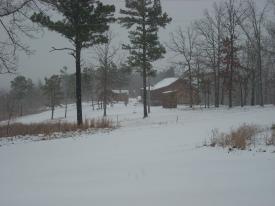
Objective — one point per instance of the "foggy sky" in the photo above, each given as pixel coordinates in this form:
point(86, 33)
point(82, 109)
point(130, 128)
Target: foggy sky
point(43, 63)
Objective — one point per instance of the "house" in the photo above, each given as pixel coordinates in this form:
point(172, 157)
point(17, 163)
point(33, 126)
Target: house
point(171, 91)
point(120, 96)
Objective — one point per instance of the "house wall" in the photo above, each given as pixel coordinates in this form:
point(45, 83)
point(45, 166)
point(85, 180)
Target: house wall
point(123, 97)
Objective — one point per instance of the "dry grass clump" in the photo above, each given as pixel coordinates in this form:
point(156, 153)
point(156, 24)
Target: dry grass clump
point(238, 138)
point(19, 129)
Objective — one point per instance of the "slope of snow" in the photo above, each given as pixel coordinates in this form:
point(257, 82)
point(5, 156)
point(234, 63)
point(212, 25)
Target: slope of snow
point(164, 83)
point(157, 161)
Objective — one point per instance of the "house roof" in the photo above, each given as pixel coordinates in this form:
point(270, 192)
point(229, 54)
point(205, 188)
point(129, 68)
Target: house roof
point(164, 83)
point(121, 91)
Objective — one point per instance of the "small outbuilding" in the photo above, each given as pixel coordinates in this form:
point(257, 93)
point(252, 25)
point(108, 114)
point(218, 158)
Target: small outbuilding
point(120, 96)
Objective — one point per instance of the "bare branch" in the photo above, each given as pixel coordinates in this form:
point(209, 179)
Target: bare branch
point(62, 49)
point(8, 8)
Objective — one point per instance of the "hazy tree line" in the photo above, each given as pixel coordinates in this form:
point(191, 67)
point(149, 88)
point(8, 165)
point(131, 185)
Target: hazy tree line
point(227, 57)
point(26, 97)
point(84, 23)
point(58, 90)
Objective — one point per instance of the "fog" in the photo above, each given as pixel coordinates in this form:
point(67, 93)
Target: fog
point(44, 63)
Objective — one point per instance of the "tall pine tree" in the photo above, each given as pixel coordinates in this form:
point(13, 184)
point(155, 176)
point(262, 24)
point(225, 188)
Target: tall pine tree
point(53, 91)
point(83, 23)
point(145, 17)
point(21, 88)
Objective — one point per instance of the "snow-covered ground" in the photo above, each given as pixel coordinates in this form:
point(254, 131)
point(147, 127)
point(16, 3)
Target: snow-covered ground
point(157, 161)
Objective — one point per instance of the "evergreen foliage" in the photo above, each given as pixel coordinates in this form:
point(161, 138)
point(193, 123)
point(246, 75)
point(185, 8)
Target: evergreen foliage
point(145, 17)
point(83, 24)
point(20, 89)
point(53, 91)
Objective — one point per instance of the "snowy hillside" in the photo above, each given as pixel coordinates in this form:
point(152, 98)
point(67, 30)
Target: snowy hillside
point(157, 161)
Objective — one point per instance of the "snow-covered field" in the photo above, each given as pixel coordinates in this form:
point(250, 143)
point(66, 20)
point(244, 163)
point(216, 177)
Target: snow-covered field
point(157, 161)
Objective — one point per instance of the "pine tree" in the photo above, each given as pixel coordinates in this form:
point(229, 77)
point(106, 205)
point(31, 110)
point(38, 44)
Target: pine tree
point(20, 89)
point(52, 89)
point(145, 17)
point(83, 23)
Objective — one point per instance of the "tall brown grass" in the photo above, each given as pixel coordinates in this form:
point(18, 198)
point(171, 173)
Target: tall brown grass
point(238, 138)
point(19, 129)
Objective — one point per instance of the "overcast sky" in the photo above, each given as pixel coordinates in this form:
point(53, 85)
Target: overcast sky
point(43, 63)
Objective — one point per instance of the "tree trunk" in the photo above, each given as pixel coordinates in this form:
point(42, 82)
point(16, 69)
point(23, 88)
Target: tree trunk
point(10, 110)
point(78, 84)
point(241, 94)
point(190, 86)
point(52, 112)
point(230, 88)
point(260, 75)
point(205, 97)
point(21, 109)
point(253, 88)
point(222, 94)
point(204, 93)
point(149, 96)
point(216, 78)
point(105, 91)
point(217, 97)
point(218, 88)
point(66, 108)
point(231, 71)
point(145, 113)
point(208, 94)
point(93, 104)
point(216, 92)
point(245, 92)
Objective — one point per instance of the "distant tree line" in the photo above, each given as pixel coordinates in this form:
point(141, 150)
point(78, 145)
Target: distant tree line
point(25, 97)
point(83, 24)
point(228, 55)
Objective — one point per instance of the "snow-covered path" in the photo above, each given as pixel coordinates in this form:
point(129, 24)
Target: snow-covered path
point(152, 162)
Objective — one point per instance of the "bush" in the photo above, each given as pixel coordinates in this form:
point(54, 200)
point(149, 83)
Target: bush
point(238, 138)
point(19, 129)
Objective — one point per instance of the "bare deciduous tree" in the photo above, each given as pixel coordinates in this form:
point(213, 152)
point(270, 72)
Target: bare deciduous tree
point(233, 13)
point(252, 26)
point(14, 23)
point(211, 33)
point(106, 54)
point(184, 43)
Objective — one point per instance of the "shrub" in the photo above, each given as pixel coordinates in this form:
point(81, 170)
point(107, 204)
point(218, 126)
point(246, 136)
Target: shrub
point(238, 138)
point(19, 129)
